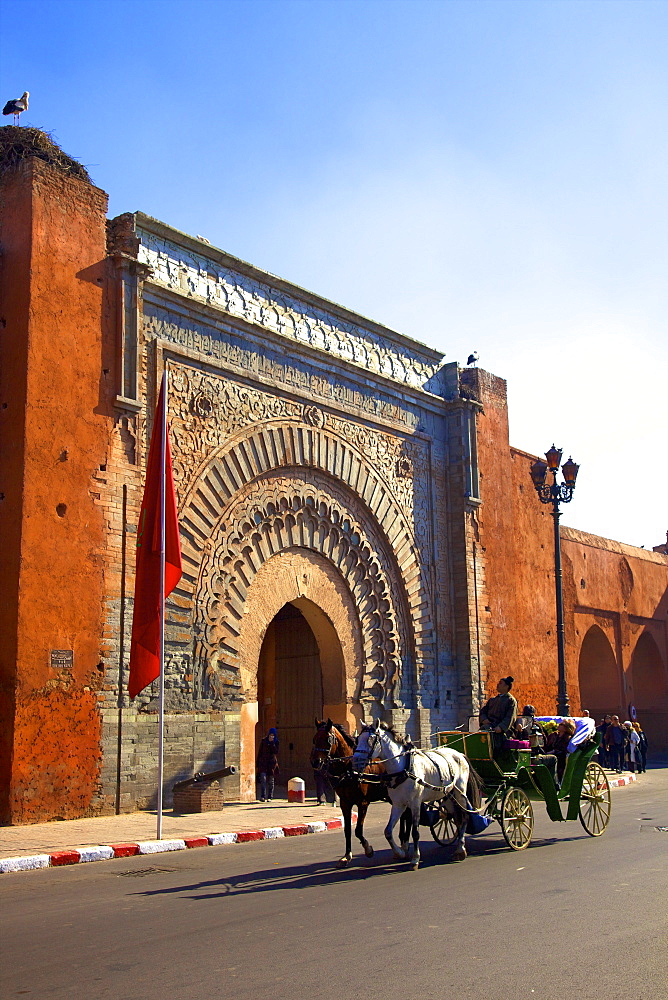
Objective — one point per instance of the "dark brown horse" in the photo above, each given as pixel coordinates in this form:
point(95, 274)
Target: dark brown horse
point(332, 754)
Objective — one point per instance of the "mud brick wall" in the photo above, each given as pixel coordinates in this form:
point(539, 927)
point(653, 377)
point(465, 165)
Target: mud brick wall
point(53, 436)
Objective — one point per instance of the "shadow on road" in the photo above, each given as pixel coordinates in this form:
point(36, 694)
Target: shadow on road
point(326, 873)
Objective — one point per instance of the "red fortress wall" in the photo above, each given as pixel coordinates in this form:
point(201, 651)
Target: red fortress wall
point(54, 428)
point(615, 595)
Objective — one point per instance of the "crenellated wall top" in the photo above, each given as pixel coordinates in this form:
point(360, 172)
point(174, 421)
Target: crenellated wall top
point(189, 267)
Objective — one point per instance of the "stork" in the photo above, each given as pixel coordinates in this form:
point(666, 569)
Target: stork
point(16, 106)
point(472, 358)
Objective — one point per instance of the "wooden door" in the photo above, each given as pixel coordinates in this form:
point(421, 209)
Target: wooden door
point(298, 692)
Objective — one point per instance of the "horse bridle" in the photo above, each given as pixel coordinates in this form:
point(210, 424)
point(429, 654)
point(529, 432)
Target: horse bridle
point(371, 746)
point(322, 751)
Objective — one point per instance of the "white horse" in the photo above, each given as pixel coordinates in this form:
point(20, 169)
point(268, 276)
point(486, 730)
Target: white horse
point(420, 776)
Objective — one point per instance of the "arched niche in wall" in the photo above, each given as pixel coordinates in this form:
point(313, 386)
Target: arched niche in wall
point(649, 681)
point(598, 674)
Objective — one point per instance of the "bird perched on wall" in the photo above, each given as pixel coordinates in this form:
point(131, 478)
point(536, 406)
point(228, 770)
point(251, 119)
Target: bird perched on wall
point(16, 106)
point(472, 358)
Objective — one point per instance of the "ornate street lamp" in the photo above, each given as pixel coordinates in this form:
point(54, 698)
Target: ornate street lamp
point(555, 493)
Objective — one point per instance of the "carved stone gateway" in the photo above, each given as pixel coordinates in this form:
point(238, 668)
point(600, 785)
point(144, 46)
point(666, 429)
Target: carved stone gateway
point(310, 450)
point(279, 478)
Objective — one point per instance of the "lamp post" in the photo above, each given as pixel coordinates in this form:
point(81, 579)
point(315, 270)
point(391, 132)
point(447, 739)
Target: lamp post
point(556, 493)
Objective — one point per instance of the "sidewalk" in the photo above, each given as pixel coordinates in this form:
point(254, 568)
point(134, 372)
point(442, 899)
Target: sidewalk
point(103, 837)
point(45, 845)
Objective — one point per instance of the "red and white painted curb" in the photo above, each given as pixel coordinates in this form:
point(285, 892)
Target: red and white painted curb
point(80, 855)
point(623, 779)
point(56, 859)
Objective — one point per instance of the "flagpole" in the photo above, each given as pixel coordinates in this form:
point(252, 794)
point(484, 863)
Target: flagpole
point(161, 698)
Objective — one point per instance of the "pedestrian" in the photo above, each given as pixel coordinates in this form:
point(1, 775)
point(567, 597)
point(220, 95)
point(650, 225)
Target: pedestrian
point(615, 742)
point(632, 747)
point(267, 765)
point(603, 755)
point(585, 713)
point(642, 746)
point(324, 792)
point(499, 713)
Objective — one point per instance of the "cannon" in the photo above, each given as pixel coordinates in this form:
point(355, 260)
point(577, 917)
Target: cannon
point(205, 776)
point(196, 794)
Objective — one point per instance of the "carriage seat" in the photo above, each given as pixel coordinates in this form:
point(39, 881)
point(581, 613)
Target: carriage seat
point(476, 746)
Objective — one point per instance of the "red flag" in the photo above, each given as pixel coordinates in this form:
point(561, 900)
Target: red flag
point(148, 606)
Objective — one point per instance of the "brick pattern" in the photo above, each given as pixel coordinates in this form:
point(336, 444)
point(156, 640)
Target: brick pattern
point(203, 797)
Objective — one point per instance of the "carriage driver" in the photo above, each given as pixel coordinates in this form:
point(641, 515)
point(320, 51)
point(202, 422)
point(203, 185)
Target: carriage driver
point(500, 712)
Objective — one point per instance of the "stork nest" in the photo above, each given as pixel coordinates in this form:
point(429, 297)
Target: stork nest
point(18, 144)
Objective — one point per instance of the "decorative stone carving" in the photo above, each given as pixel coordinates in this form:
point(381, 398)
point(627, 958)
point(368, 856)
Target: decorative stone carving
point(299, 511)
point(237, 406)
point(257, 302)
point(202, 405)
point(221, 344)
point(403, 467)
point(351, 471)
point(314, 416)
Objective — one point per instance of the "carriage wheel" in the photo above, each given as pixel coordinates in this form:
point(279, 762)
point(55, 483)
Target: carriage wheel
point(446, 828)
point(516, 819)
point(595, 802)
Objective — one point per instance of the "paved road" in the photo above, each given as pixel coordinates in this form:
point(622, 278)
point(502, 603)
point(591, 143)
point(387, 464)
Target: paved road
point(571, 918)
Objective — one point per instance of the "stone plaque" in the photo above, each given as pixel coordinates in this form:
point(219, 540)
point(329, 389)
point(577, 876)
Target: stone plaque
point(62, 659)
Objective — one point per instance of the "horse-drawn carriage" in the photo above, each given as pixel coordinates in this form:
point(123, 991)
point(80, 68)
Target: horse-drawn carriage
point(512, 783)
point(460, 786)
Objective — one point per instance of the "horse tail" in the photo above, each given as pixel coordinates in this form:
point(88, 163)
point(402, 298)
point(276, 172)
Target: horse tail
point(474, 787)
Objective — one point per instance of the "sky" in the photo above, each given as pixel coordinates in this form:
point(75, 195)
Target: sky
point(478, 175)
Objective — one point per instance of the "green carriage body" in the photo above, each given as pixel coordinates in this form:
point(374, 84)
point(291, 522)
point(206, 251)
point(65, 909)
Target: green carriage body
point(510, 779)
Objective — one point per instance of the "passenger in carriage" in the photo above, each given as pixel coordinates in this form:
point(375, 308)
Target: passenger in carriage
point(557, 744)
point(527, 728)
point(499, 713)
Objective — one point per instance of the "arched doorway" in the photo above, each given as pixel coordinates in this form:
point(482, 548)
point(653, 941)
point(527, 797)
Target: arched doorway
point(598, 675)
point(290, 689)
point(305, 581)
point(650, 690)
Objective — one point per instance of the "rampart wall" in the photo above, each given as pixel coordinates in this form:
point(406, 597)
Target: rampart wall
point(320, 459)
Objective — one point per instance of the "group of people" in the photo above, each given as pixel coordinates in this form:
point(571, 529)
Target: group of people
point(623, 745)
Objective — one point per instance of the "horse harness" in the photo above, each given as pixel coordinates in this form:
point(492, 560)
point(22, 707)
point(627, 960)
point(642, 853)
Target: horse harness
point(398, 778)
